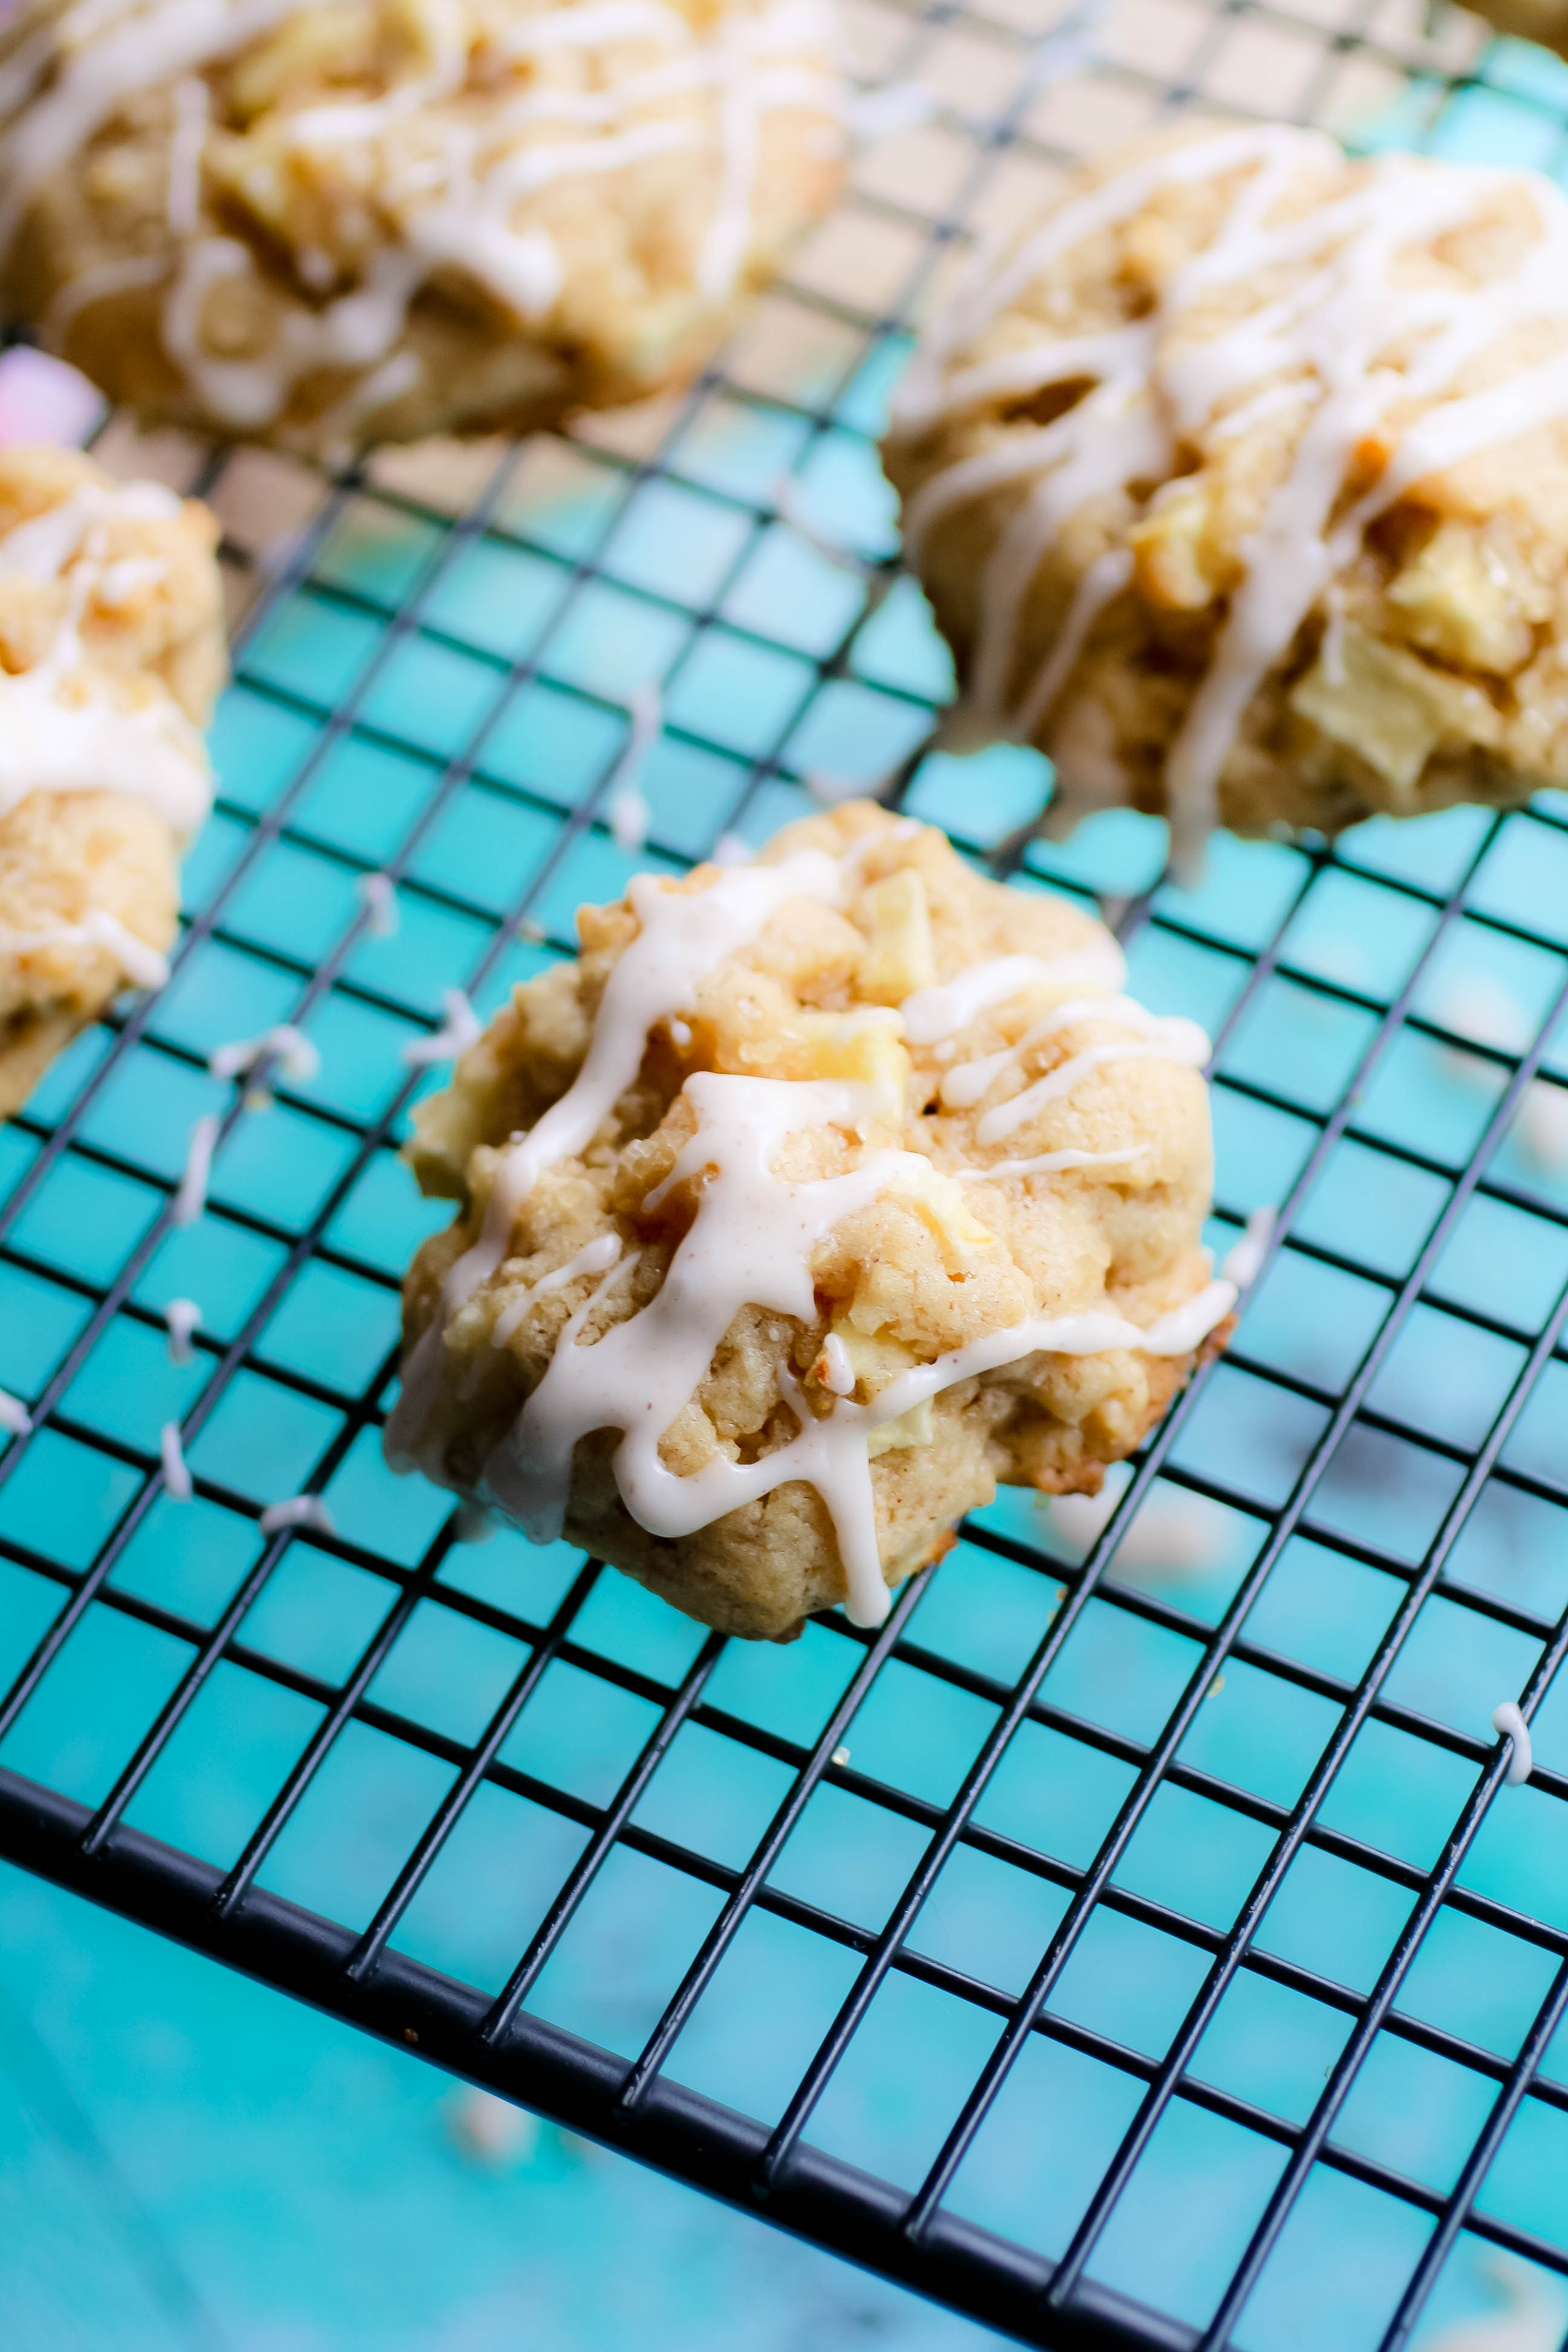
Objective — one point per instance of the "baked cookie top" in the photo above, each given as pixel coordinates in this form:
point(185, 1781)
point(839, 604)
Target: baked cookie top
point(792, 1151)
point(315, 221)
point(1240, 482)
point(112, 644)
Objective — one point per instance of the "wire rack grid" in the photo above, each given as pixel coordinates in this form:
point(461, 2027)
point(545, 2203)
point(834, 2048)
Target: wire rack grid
point(1133, 1943)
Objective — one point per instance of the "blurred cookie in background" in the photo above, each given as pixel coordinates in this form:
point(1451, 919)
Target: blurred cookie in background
point(388, 218)
point(111, 653)
point(1239, 481)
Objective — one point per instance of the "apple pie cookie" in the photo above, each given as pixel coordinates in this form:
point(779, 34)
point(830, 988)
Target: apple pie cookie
point(385, 218)
point(1239, 484)
point(814, 1198)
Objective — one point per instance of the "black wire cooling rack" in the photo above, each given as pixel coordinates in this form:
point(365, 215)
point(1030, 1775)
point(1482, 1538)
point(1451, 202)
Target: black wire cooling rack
point(1138, 1949)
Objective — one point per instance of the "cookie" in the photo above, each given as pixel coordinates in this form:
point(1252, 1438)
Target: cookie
point(816, 1197)
point(1545, 21)
point(1239, 483)
point(387, 218)
point(112, 651)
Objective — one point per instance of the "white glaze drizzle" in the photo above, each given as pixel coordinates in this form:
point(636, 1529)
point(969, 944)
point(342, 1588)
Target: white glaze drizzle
point(630, 816)
point(723, 246)
point(15, 1418)
point(1174, 1536)
point(297, 1511)
point(1045, 1163)
point(597, 1257)
point(379, 893)
point(551, 103)
point(1088, 1333)
point(59, 731)
point(1327, 337)
point(933, 1013)
point(50, 745)
point(297, 1058)
point(1534, 2313)
point(182, 1317)
point(176, 1476)
point(1172, 1040)
point(461, 1029)
point(190, 1198)
point(834, 1368)
point(143, 965)
point(471, 192)
point(1102, 584)
point(625, 805)
point(1509, 1723)
point(183, 203)
point(1542, 1129)
point(968, 1083)
point(1244, 1260)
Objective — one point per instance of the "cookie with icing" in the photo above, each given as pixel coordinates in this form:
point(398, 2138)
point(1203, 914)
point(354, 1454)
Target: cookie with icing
point(385, 218)
point(1238, 482)
point(112, 651)
point(813, 1199)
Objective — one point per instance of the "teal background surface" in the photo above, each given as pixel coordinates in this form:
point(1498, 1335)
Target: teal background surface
point(441, 693)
